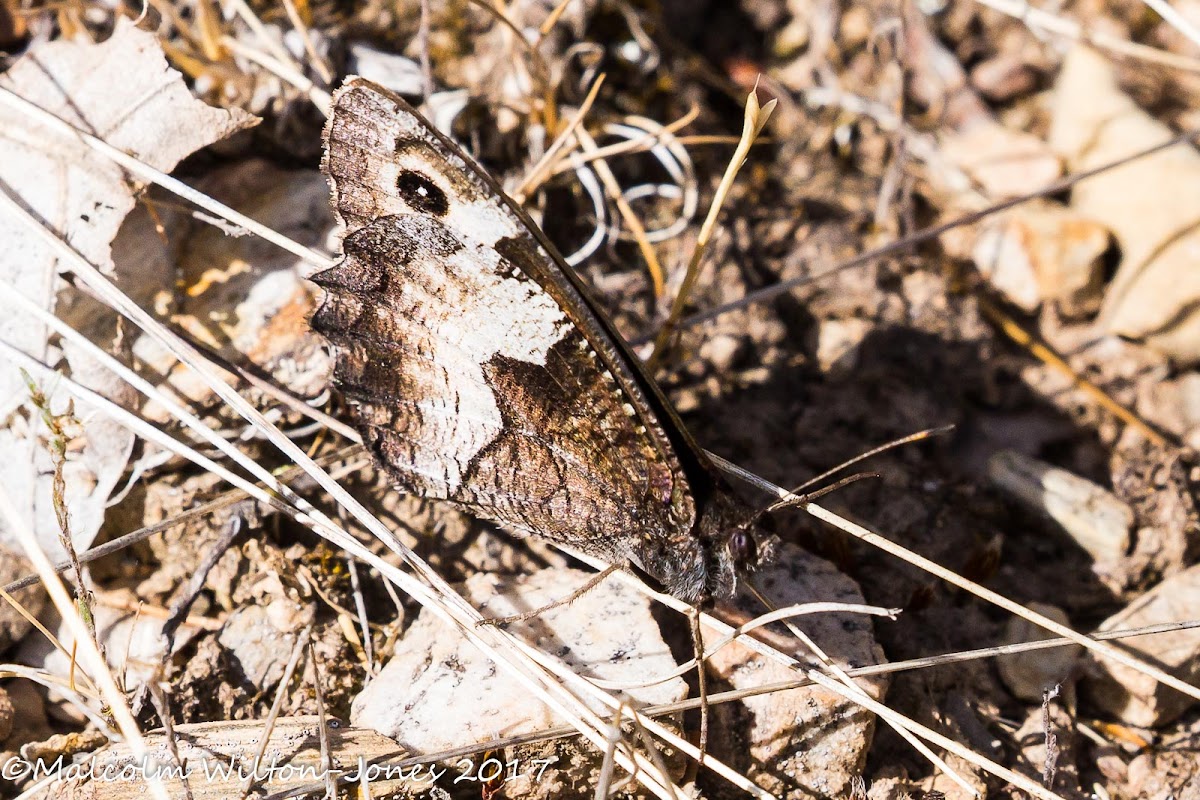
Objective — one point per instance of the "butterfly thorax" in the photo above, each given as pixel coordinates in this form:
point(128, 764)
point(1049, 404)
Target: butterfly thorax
point(703, 564)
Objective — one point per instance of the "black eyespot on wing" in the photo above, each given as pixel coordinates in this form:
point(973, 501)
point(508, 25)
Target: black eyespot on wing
point(421, 193)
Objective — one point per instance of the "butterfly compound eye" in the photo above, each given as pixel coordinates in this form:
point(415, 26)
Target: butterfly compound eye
point(742, 547)
point(421, 193)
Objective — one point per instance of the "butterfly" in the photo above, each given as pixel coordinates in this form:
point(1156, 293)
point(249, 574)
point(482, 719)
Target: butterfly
point(479, 371)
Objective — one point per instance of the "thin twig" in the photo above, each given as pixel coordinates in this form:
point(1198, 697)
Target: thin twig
point(1044, 354)
point(19, 529)
point(1044, 20)
point(627, 214)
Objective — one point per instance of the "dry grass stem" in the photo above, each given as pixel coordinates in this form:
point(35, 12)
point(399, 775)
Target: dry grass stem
point(613, 188)
point(269, 42)
point(756, 117)
point(1040, 19)
point(640, 145)
point(1098, 647)
point(1175, 19)
point(540, 74)
point(737, 634)
point(97, 667)
point(315, 61)
point(281, 69)
point(1047, 356)
point(552, 19)
point(537, 174)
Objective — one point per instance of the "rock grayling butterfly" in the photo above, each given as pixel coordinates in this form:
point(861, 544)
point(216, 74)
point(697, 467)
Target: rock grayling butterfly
point(479, 371)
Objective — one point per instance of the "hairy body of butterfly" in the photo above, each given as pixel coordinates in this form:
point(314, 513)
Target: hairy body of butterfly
point(479, 372)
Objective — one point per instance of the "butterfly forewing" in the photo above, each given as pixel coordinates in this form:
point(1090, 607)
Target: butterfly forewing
point(478, 370)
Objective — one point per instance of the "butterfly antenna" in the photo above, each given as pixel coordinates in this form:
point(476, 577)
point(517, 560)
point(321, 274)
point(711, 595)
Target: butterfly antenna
point(919, 436)
point(796, 496)
point(797, 499)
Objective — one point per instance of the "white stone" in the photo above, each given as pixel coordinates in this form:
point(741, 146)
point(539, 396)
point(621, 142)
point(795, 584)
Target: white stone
point(803, 742)
point(1138, 699)
point(1095, 518)
point(1028, 674)
point(439, 691)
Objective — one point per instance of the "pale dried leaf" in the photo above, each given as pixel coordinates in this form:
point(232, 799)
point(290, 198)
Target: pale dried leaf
point(1152, 205)
point(133, 642)
point(123, 92)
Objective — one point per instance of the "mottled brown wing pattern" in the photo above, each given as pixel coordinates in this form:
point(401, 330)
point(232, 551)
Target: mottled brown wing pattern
point(472, 386)
point(478, 370)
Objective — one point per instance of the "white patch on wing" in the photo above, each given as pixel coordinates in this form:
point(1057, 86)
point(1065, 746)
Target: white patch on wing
point(478, 313)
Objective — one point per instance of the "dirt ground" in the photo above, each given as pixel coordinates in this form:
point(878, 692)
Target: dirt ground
point(890, 120)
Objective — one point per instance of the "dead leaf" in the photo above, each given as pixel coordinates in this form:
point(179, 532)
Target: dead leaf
point(123, 92)
point(1152, 206)
point(131, 637)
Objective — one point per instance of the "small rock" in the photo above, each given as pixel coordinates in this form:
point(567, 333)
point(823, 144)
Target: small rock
point(65, 745)
point(856, 27)
point(1097, 520)
point(890, 786)
point(28, 721)
point(1164, 774)
point(1174, 406)
point(1003, 77)
point(1138, 699)
point(837, 344)
point(804, 742)
point(1045, 253)
point(400, 74)
point(943, 787)
point(261, 638)
point(439, 691)
point(1028, 674)
point(14, 626)
point(722, 351)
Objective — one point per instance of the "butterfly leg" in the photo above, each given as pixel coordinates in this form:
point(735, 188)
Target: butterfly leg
point(592, 583)
point(701, 682)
